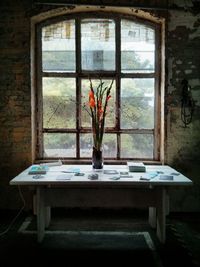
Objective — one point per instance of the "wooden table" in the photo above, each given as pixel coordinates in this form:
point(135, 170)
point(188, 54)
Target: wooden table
point(57, 189)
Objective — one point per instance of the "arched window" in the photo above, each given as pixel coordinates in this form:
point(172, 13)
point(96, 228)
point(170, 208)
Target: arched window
point(73, 48)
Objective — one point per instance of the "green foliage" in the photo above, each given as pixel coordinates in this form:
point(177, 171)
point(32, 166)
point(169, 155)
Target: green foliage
point(137, 111)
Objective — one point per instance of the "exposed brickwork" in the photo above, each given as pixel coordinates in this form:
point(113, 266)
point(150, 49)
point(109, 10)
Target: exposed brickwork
point(182, 61)
point(15, 95)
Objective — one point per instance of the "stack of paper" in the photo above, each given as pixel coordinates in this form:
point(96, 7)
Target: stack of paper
point(136, 166)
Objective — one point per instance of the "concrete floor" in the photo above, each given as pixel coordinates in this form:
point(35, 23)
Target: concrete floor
point(182, 246)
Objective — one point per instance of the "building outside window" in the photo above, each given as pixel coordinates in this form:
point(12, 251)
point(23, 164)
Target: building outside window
point(70, 50)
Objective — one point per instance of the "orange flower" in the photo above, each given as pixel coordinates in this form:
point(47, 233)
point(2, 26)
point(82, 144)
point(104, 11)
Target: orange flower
point(108, 97)
point(92, 102)
point(91, 99)
point(91, 94)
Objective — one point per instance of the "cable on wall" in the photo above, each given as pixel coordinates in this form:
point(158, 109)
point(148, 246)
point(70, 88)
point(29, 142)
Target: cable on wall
point(187, 103)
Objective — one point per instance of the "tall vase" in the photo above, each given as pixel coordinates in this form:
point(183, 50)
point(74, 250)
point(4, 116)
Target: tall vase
point(97, 159)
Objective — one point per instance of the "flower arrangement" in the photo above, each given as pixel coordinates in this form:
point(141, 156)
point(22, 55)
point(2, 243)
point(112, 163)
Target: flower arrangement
point(98, 103)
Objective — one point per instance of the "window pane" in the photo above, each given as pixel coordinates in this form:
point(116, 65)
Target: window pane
point(59, 103)
point(137, 146)
point(59, 145)
point(110, 145)
point(137, 103)
point(86, 145)
point(85, 117)
point(58, 47)
point(98, 44)
point(137, 47)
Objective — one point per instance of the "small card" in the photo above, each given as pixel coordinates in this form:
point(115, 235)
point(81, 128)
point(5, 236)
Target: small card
point(145, 178)
point(117, 177)
point(38, 176)
point(148, 176)
point(63, 177)
point(71, 170)
point(126, 176)
point(166, 177)
point(93, 176)
point(110, 172)
point(123, 173)
point(79, 174)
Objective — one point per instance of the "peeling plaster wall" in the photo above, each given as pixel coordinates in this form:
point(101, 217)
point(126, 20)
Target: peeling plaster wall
point(182, 58)
point(183, 62)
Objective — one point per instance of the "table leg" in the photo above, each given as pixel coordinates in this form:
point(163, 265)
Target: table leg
point(40, 214)
point(47, 216)
point(161, 215)
point(167, 203)
point(152, 217)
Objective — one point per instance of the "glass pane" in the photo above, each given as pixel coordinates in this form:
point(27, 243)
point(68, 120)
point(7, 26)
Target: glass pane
point(110, 145)
point(137, 146)
point(137, 47)
point(58, 47)
point(59, 145)
point(59, 103)
point(98, 44)
point(85, 117)
point(86, 146)
point(137, 103)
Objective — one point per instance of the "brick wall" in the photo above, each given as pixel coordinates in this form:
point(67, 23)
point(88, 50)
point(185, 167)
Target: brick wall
point(182, 145)
point(15, 96)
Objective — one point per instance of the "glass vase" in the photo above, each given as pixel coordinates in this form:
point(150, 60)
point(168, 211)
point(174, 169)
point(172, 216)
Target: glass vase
point(97, 159)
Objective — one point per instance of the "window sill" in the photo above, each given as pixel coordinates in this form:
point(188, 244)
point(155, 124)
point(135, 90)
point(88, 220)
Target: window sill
point(88, 161)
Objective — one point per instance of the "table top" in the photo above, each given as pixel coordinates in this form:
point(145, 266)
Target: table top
point(67, 175)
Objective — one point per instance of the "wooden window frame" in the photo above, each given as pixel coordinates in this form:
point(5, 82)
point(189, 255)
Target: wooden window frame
point(117, 75)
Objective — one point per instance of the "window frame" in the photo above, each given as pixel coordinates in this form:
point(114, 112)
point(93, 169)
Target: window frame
point(117, 74)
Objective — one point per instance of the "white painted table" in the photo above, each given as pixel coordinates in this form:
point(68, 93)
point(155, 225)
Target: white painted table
point(52, 190)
